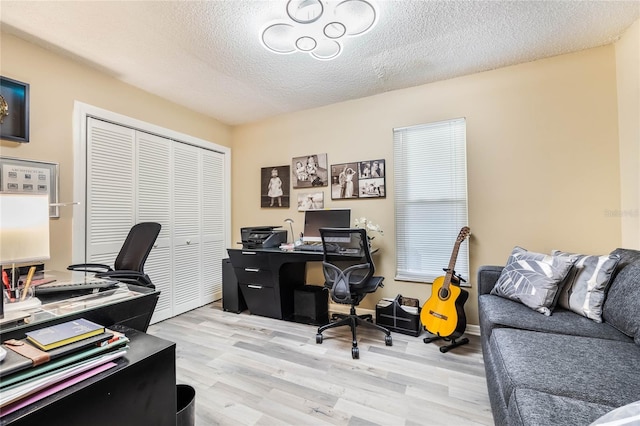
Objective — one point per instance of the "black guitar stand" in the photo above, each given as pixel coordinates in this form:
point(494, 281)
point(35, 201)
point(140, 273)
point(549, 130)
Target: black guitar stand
point(455, 280)
point(444, 349)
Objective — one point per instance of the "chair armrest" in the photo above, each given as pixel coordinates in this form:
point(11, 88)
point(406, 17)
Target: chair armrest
point(487, 277)
point(129, 277)
point(89, 267)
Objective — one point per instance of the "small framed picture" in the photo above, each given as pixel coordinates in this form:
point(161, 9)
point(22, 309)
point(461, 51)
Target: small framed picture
point(274, 186)
point(309, 171)
point(310, 201)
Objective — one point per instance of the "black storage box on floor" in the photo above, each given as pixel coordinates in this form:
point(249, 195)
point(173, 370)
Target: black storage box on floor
point(396, 317)
point(311, 305)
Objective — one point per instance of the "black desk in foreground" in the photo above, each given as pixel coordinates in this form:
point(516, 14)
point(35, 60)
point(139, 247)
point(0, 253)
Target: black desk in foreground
point(268, 278)
point(139, 390)
point(126, 305)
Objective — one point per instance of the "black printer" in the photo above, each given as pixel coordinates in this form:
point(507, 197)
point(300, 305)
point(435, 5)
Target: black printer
point(262, 236)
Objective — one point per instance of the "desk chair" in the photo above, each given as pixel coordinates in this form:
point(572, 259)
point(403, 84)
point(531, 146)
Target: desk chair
point(129, 265)
point(348, 271)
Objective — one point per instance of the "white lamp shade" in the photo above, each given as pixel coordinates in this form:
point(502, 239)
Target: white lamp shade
point(24, 228)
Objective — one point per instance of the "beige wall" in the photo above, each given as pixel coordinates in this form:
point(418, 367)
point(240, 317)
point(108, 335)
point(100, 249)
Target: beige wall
point(628, 78)
point(542, 148)
point(55, 83)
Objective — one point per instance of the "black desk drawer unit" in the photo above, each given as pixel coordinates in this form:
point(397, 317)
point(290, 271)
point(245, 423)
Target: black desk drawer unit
point(268, 277)
point(261, 300)
point(256, 281)
point(249, 259)
point(250, 275)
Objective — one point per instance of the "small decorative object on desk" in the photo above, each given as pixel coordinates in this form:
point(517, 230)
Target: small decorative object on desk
point(371, 228)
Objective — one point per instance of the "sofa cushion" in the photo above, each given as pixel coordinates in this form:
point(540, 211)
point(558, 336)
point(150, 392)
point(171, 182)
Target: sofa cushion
point(532, 408)
point(533, 278)
point(496, 312)
point(594, 370)
point(622, 305)
point(583, 290)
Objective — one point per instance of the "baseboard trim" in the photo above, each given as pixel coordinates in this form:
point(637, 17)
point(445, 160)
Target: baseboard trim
point(337, 308)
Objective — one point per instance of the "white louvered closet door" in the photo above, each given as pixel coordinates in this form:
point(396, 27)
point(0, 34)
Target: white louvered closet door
point(112, 183)
point(213, 226)
point(187, 181)
point(154, 205)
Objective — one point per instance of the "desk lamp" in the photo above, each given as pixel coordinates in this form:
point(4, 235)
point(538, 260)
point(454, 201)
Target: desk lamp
point(24, 237)
point(290, 222)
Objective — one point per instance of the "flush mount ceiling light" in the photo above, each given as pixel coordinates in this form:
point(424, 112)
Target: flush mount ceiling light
point(319, 27)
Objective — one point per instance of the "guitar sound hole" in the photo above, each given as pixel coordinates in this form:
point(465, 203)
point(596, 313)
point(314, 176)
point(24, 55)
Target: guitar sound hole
point(444, 293)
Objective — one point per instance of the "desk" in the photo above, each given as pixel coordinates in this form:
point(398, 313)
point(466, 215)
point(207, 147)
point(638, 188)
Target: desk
point(268, 277)
point(139, 390)
point(127, 305)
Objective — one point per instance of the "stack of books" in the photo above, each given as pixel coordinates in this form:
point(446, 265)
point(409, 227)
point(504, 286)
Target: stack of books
point(53, 358)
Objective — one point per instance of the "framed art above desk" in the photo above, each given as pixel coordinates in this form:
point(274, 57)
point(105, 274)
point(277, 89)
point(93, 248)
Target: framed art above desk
point(31, 177)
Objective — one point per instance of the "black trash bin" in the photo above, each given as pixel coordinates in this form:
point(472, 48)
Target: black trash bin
point(186, 405)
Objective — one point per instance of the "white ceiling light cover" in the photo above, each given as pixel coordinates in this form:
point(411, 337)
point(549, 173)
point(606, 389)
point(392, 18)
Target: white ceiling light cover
point(319, 28)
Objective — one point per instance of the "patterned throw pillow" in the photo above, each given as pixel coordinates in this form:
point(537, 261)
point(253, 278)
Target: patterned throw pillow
point(533, 279)
point(584, 288)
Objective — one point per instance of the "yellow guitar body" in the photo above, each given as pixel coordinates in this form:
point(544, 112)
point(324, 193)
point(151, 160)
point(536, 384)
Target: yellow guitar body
point(443, 314)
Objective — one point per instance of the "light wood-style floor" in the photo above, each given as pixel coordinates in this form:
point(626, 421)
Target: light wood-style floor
point(252, 370)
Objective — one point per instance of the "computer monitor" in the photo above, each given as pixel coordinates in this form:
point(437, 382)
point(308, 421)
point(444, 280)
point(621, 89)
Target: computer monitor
point(316, 219)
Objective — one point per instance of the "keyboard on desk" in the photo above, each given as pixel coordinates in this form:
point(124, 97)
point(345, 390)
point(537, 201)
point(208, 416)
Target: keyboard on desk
point(331, 248)
point(71, 281)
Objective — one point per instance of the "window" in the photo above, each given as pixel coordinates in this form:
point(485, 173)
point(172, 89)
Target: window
point(430, 199)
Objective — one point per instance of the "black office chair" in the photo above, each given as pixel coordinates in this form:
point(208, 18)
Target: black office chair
point(129, 265)
point(348, 271)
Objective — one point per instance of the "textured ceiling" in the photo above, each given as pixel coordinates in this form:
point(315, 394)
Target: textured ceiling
point(206, 55)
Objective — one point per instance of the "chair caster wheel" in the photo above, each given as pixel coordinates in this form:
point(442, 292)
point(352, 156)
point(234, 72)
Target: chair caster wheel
point(388, 341)
point(318, 338)
point(355, 353)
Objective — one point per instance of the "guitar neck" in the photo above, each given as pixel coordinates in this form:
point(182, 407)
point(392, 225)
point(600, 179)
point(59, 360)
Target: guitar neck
point(452, 265)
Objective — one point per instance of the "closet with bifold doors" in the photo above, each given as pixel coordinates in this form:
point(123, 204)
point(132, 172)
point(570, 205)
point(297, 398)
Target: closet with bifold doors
point(136, 176)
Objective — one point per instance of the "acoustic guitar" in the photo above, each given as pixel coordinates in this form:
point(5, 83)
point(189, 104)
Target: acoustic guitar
point(443, 314)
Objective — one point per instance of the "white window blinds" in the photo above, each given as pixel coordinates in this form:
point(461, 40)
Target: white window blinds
point(430, 199)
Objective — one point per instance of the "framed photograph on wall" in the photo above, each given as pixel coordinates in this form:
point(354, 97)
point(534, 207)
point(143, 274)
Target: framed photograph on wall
point(372, 181)
point(14, 110)
point(309, 171)
point(363, 179)
point(310, 201)
point(30, 176)
point(344, 181)
point(274, 188)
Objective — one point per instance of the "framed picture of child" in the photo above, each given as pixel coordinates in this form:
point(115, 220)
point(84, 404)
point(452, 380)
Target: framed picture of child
point(274, 188)
point(309, 171)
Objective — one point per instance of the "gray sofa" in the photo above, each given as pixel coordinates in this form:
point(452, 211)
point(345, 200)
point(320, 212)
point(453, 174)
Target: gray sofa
point(562, 369)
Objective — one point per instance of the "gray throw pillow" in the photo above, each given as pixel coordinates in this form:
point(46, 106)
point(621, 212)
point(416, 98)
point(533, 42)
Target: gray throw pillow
point(584, 288)
point(533, 279)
